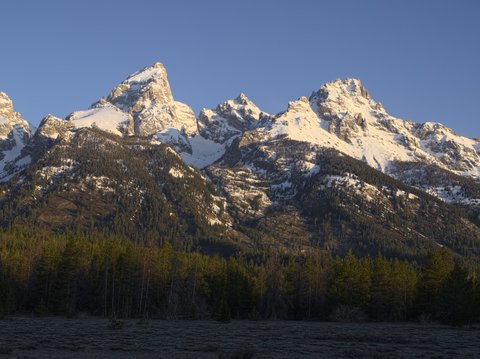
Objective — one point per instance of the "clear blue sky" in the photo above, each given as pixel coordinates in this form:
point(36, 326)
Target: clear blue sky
point(421, 59)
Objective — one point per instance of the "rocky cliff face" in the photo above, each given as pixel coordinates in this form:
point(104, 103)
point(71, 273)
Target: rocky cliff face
point(14, 134)
point(230, 119)
point(147, 97)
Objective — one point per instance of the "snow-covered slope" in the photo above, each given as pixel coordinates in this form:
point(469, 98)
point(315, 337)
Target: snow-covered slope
point(342, 115)
point(14, 134)
point(217, 129)
point(104, 116)
point(203, 152)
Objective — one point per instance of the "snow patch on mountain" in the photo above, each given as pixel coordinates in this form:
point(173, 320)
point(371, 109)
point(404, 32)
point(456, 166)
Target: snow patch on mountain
point(301, 123)
point(174, 138)
point(175, 172)
point(14, 135)
point(215, 127)
point(105, 117)
point(203, 152)
point(8, 157)
point(156, 71)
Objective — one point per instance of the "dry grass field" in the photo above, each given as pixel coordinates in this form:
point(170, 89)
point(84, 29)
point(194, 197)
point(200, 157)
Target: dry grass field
point(56, 337)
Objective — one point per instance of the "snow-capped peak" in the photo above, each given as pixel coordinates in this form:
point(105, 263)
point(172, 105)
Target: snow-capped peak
point(146, 96)
point(298, 105)
point(242, 108)
point(242, 99)
point(9, 118)
point(142, 90)
point(142, 105)
point(354, 87)
point(341, 97)
point(343, 116)
point(151, 73)
point(5, 102)
point(229, 119)
point(52, 127)
point(14, 134)
point(349, 86)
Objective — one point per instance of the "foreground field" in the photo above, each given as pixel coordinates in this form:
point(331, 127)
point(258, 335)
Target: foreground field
point(55, 337)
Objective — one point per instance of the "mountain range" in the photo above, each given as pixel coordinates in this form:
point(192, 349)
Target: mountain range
point(334, 170)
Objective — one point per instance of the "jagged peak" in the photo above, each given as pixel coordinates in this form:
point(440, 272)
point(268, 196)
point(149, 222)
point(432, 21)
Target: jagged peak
point(52, 127)
point(50, 120)
point(150, 73)
point(150, 76)
point(433, 125)
point(432, 128)
point(350, 81)
point(50, 117)
point(242, 99)
point(241, 107)
point(5, 101)
point(142, 104)
point(8, 116)
point(348, 87)
point(151, 82)
point(4, 96)
point(158, 65)
point(230, 118)
point(344, 96)
point(299, 104)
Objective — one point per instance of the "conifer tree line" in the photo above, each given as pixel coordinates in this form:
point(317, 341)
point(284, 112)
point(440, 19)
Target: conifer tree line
point(43, 273)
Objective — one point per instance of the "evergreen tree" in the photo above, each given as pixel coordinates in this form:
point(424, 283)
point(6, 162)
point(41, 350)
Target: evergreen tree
point(457, 299)
point(438, 266)
point(112, 276)
point(404, 289)
point(7, 294)
point(64, 289)
point(275, 303)
point(351, 282)
point(381, 293)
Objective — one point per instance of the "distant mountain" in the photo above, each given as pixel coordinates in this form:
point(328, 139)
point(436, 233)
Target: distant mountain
point(14, 135)
point(334, 170)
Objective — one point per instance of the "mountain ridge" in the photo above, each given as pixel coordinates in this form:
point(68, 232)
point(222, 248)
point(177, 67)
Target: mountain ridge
point(261, 171)
point(341, 107)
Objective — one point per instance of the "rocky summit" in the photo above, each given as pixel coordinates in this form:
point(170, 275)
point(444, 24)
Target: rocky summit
point(334, 171)
point(14, 135)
